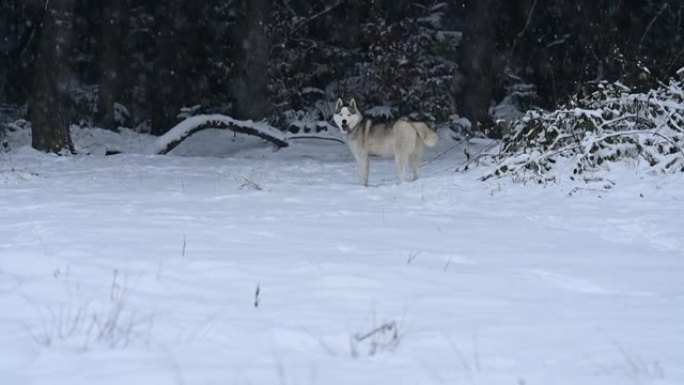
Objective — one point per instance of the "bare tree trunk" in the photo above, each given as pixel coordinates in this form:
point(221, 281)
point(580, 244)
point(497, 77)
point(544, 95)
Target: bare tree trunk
point(249, 88)
point(163, 94)
point(49, 99)
point(477, 62)
point(115, 15)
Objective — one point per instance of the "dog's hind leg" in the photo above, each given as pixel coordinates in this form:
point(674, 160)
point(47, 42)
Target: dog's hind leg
point(414, 160)
point(405, 140)
point(400, 159)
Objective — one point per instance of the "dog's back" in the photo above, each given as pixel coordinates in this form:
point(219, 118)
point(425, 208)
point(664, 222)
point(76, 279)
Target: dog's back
point(379, 138)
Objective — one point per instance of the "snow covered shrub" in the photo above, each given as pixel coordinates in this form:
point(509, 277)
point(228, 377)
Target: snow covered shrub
point(14, 134)
point(609, 125)
point(519, 99)
point(12, 124)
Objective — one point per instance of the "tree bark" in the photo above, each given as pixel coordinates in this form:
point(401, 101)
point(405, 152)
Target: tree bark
point(477, 62)
point(50, 107)
point(115, 15)
point(249, 85)
point(164, 96)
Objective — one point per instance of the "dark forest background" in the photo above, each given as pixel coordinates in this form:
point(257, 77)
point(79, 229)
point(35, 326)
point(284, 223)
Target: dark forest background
point(147, 64)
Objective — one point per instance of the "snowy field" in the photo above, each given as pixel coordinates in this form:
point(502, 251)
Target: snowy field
point(249, 266)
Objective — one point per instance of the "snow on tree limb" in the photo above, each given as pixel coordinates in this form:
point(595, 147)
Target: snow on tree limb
point(167, 142)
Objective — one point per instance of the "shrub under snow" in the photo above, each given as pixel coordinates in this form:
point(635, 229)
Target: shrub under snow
point(612, 124)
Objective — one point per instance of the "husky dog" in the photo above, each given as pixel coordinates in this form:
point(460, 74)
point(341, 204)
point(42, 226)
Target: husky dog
point(400, 138)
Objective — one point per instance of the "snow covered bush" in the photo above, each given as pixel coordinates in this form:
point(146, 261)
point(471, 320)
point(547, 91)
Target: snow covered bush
point(12, 124)
point(590, 133)
point(520, 98)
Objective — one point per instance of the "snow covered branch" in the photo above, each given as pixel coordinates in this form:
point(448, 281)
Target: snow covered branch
point(610, 125)
point(167, 142)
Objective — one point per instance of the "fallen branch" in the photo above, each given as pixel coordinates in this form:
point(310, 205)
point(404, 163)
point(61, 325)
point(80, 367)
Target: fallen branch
point(167, 142)
point(318, 137)
point(387, 327)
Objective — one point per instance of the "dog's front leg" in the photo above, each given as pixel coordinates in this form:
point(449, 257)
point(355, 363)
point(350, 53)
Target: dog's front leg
point(362, 162)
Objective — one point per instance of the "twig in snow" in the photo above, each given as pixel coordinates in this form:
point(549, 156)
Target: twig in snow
point(576, 189)
point(115, 286)
point(412, 255)
point(382, 329)
point(446, 265)
point(249, 184)
point(257, 296)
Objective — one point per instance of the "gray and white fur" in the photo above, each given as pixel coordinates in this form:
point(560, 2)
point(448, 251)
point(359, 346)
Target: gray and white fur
point(401, 138)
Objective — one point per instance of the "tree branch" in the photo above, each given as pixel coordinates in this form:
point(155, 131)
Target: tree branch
point(522, 31)
point(316, 16)
point(648, 28)
point(167, 142)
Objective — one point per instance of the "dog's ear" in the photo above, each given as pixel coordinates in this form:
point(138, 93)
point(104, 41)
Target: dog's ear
point(338, 105)
point(352, 105)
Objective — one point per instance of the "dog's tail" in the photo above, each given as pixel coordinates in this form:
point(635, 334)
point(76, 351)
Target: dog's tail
point(426, 134)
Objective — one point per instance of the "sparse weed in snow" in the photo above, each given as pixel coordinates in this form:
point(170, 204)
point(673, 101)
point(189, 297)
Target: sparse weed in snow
point(382, 338)
point(630, 365)
point(113, 324)
point(636, 367)
point(257, 296)
point(248, 184)
point(412, 256)
point(468, 360)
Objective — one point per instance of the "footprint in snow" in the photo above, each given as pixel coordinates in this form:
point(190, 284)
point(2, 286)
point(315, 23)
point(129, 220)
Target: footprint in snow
point(580, 285)
point(577, 285)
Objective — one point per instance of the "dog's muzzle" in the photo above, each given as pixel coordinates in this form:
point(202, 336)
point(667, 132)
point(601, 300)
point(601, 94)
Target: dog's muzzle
point(345, 126)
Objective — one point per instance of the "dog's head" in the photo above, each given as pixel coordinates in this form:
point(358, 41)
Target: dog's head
point(347, 117)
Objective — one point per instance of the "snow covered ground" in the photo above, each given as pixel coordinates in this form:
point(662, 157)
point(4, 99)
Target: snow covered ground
point(249, 266)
